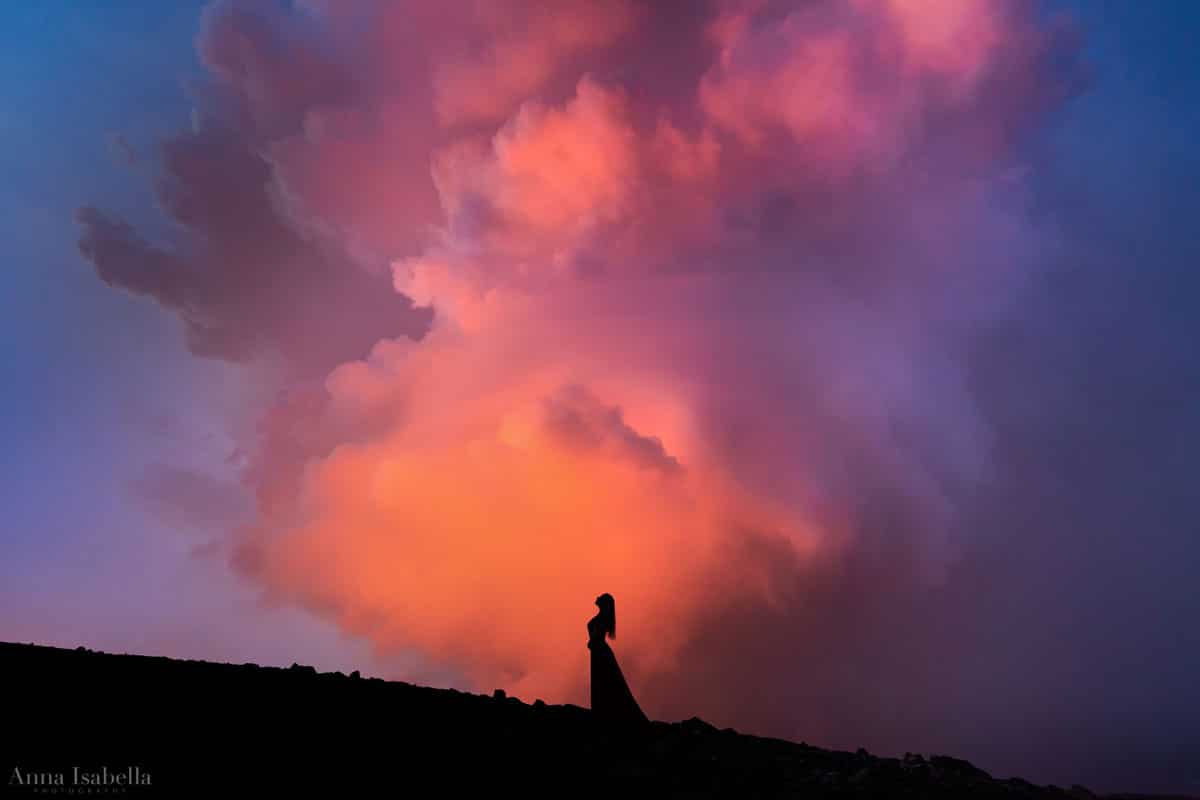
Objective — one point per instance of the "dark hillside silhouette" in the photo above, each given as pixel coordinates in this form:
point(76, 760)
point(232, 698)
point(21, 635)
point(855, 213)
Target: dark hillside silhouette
point(233, 730)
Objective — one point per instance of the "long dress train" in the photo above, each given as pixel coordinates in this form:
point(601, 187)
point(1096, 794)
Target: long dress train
point(612, 701)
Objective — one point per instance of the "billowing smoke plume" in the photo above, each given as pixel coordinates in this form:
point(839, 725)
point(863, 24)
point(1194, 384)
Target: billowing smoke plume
point(246, 280)
point(680, 307)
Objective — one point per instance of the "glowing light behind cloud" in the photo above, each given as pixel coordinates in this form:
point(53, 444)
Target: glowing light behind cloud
point(693, 286)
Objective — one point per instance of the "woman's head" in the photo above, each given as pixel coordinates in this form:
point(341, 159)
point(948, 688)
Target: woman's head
point(608, 614)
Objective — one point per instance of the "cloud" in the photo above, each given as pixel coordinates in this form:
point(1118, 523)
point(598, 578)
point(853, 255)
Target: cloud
point(579, 419)
point(523, 46)
point(241, 278)
point(698, 304)
point(271, 67)
point(676, 307)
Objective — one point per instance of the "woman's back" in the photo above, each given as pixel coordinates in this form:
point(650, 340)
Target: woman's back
point(612, 701)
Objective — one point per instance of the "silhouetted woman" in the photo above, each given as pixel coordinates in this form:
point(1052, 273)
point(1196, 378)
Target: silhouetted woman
point(612, 702)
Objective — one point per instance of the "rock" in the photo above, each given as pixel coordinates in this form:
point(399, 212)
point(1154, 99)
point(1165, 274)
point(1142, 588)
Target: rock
point(697, 725)
point(499, 694)
point(957, 766)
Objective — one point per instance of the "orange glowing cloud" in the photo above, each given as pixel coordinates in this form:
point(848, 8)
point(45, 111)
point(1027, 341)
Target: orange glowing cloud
point(507, 490)
point(662, 325)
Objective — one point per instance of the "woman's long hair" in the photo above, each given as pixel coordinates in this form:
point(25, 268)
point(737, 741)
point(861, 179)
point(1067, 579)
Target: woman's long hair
point(608, 614)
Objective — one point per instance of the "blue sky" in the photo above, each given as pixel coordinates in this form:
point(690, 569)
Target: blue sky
point(86, 366)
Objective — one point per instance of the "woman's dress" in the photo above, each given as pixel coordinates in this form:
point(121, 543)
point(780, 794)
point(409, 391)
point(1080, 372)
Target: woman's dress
point(612, 702)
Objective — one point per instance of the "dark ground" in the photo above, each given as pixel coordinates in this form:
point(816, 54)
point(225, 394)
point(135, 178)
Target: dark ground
point(225, 730)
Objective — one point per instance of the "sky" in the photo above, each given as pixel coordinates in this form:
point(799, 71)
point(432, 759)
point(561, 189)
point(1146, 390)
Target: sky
point(848, 344)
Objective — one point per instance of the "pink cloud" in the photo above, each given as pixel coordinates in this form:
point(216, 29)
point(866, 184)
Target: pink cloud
point(699, 298)
point(510, 51)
